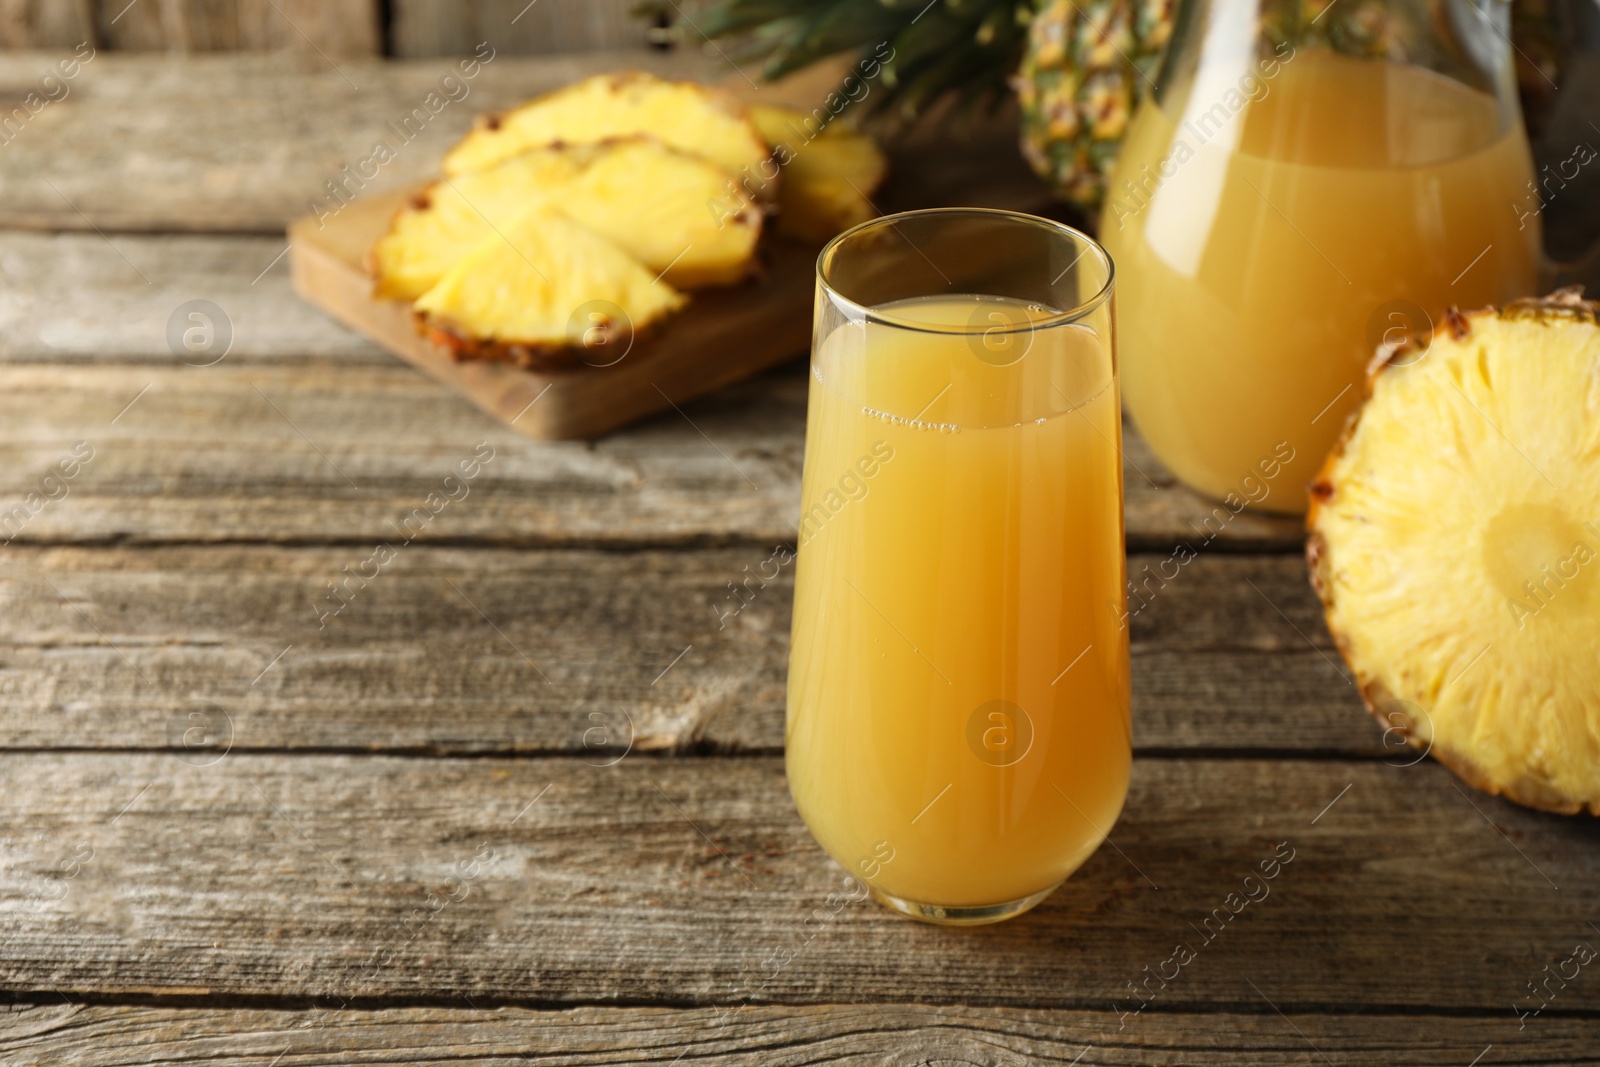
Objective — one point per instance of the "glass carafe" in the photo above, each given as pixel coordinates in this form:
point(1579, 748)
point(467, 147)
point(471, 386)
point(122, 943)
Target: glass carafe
point(1307, 180)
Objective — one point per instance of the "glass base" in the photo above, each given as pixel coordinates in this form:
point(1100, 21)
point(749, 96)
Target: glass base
point(961, 915)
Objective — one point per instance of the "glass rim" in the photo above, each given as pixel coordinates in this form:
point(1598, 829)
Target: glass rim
point(1076, 313)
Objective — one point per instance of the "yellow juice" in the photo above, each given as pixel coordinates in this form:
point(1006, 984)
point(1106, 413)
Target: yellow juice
point(1262, 253)
point(958, 728)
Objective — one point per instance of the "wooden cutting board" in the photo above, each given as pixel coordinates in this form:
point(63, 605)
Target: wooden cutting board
point(721, 336)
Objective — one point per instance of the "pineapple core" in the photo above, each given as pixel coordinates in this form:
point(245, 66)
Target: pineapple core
point(1455, 542)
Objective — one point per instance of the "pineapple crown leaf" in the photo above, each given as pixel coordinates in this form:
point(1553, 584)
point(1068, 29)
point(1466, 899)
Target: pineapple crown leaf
point(961, 48)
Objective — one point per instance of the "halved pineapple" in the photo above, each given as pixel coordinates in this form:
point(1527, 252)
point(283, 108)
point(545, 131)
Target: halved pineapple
point(647, 198)
point(828, 177)
point(1455, 543)
point(542, 289)
point(686, 116)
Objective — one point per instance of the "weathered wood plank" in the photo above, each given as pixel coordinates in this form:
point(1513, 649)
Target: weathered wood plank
point(324, 451)
point(336, 27)
point(517, 27)
point(548, 881)
point(860, 1034)
point(246, 142)
point(185, 138)
point(84, 298)
point(410, 664)
point(27, 24)
point(313, 27)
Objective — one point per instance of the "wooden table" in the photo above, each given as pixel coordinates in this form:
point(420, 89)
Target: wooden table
point(230, 834)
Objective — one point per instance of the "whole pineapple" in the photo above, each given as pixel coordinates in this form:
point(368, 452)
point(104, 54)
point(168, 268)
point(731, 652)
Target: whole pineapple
point(1084, 71)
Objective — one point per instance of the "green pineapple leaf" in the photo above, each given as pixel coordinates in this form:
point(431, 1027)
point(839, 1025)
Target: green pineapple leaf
point(961, 48)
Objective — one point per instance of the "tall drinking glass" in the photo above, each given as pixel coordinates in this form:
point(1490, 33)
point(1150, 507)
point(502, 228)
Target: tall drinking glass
point(958, 729)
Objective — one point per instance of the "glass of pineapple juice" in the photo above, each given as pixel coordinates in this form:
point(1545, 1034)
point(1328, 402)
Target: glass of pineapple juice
point(958, 725)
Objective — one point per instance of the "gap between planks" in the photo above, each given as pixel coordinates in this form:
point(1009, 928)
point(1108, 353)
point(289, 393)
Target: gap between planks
point(855, 1034)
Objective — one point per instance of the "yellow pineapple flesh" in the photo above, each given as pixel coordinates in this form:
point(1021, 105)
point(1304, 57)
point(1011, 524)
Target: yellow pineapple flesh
point(1455, 544)
point(542, 289)
point(828, 177)
point(438, 226)
point(655, 202)
point(691, 118)
point(647, 198)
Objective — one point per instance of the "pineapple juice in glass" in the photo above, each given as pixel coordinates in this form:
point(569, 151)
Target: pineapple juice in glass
point(1299, 188)
point(958, 724)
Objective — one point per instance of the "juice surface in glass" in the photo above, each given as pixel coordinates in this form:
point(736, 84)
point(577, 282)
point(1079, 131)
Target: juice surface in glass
point(1261, 255)
point(958, 729)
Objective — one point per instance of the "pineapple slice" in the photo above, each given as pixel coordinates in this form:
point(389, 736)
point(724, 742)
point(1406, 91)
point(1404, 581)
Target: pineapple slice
point(1455, 544)
point(444, 222)
point(655, 202)
point(648, 199)
point(828, 178)
point(542, 290)
point(686, 116)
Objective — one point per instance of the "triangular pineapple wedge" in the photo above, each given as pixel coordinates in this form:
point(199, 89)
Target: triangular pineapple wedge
point(542, 291)
point(1455, 544)
point(647, 198)
point(434, 229)
point(691, 118)
point(655, 202)
point(828, 177)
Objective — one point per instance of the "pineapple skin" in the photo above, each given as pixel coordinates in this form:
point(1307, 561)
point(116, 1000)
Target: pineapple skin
point(1493, 754)
point(1085, 68)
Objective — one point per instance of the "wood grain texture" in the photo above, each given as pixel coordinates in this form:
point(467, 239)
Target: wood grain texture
point(120, 648)
point(84, 298)
point(36, 24)
point(315, 28)
point(213, 842)
point(335, 27)
point(247, 142)
point(549, 881)
point(264, 453)
point(518, 27)
point(858, 1034)
point(262, 450)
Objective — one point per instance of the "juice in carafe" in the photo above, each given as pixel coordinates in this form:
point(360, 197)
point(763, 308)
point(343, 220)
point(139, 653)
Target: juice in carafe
point(958, 728)
point(1261, 252)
